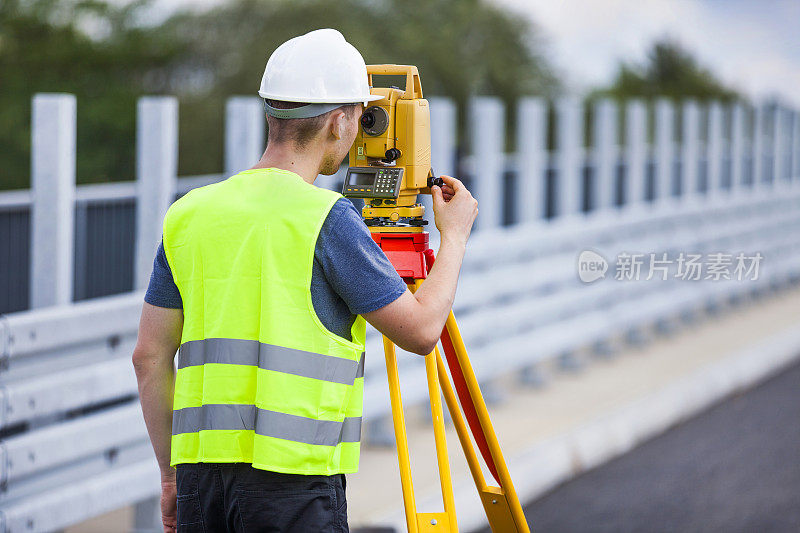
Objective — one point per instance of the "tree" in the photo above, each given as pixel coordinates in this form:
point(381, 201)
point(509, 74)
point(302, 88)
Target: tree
point(94, 50)
point(107, 57)
point(461, 47)
point(669, 71)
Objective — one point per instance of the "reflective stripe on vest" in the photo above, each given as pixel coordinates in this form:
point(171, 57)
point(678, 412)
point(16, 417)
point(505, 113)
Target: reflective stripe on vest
point(270, 357)
point(267, 423)
point(259, 378)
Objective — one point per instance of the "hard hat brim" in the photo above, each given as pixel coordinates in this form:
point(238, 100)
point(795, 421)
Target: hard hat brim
point(283, 98)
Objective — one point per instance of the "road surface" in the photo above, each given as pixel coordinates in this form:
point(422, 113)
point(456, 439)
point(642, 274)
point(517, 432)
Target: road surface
point(733, 468)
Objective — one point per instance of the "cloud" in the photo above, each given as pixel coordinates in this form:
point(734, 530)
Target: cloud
point(753, 46)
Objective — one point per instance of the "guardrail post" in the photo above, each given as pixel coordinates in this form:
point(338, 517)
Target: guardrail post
point(156, 176)
point(689, 152)
point(714, 149)
point(605, 153)
point(635, 136)
point(664, 148)
point(443, 150)
point(737, 147)
point(569, 140)
point(529, 198)
point(795, 146)
point(779, 135)
point(757, 145)
point(244, 133)
point(53, 209)
point(487, 129)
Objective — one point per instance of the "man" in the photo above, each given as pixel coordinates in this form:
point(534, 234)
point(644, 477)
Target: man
point(265, 282)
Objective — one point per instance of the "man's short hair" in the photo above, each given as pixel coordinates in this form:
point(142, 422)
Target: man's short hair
point(298, 130)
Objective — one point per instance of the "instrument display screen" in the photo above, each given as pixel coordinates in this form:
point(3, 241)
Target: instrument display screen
point(372, 182)
point(358, 178)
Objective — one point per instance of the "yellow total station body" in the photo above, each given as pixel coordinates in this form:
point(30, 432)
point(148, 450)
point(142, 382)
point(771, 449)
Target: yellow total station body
point(390, 165)
point(391, 156)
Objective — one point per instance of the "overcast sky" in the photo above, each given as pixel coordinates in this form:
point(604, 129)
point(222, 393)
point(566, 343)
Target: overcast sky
point(751, 44)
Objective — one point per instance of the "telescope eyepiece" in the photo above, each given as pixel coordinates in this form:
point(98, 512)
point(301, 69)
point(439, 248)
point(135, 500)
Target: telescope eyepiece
point(374, 120)
point(367, 120)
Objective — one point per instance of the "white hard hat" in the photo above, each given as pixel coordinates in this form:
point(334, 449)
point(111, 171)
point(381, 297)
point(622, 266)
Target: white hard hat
point(320, 67)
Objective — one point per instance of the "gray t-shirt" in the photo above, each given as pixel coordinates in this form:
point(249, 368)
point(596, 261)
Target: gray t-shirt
point(351, 274)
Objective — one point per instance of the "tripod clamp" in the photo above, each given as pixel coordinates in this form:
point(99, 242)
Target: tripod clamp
point(408, 252)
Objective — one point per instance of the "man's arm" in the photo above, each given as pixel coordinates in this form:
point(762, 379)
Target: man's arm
point(154, 362)
point(415, 321)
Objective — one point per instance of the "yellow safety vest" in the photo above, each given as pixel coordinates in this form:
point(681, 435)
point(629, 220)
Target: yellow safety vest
point(260, 379)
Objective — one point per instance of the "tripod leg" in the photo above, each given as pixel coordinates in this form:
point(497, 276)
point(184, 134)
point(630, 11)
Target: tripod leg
point(441, 443)
point(503, 501)
point(421, 522)
point(497, 509)
point(400, 436)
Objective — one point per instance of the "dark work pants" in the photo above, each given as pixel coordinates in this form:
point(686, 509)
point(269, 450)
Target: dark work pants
point(235, 497)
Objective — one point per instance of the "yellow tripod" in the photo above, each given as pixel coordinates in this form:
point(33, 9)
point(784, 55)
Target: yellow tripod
point(412, 258)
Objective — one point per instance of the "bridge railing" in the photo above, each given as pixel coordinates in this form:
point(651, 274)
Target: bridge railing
point(68, 395)
point(96, 240)
point(522, 304)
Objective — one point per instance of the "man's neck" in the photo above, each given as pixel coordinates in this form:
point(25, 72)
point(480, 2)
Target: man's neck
point(305, 164)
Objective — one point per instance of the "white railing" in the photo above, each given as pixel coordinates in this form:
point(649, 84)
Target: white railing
point(68, 396)
point(519, 304)
point(736, 146)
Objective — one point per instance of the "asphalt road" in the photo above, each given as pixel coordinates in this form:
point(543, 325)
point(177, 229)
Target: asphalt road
point(733, 468)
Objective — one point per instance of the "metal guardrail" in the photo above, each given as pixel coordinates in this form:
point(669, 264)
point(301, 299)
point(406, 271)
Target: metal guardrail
point(97, 240)
point(521, 303)
point(68, 395)
point(73, 443)
point(105, 227)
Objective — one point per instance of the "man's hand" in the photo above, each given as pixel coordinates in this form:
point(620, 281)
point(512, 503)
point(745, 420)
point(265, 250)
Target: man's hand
point(169, 505)
point(414, 321)
point(454, 209)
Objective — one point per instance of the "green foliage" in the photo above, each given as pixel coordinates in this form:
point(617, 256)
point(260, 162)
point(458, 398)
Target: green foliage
point(107, 56)
point(91, 49)
point(461, 47)
point(669, 71)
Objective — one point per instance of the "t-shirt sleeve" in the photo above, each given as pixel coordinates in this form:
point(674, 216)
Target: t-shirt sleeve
point(354, 265)
point(162, 291)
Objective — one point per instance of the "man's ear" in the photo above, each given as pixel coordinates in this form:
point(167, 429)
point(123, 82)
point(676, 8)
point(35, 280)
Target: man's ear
point(338, 123)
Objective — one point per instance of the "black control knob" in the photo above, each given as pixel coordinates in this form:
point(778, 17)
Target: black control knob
point(433, 180)
point(392, 154)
